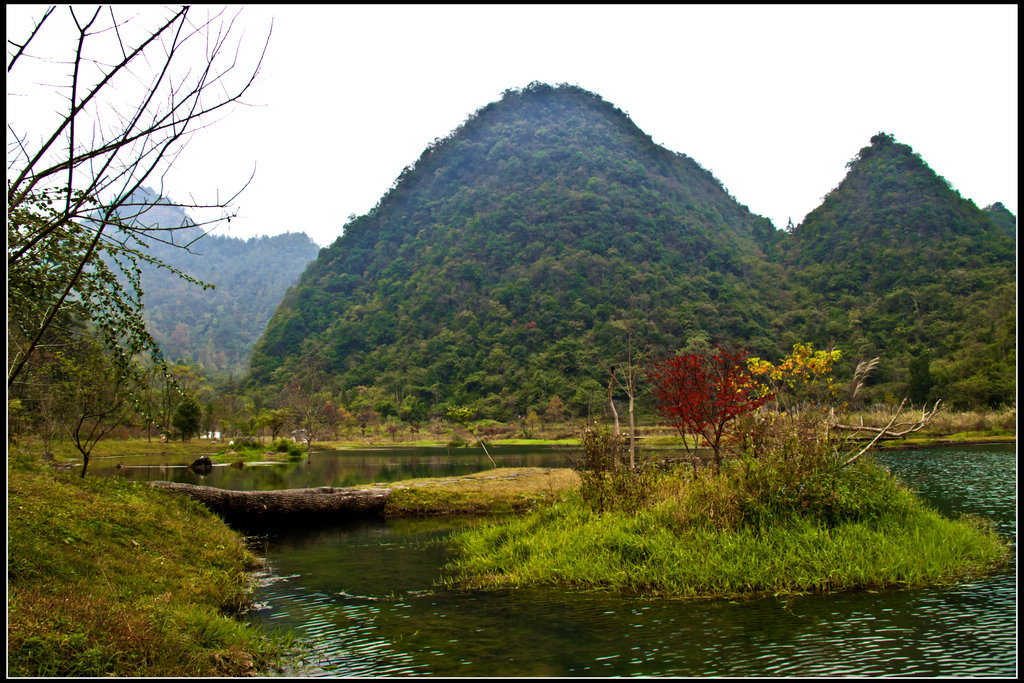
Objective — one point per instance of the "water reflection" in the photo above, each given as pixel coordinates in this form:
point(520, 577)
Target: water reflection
point(340, 468)
point(361, 594)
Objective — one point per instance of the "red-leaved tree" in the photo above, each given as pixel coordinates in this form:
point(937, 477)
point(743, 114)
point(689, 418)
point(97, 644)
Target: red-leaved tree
point(702, 393)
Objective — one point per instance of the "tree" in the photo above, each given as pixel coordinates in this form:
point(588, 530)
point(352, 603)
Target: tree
point(135, 92)
point(702, 393)
point(921, 381)
point(187, 418)
point(274, 420)
point(333, 418)
point(801, 378)
point(306, 396)
point(92, 400)
point(462, 415)
point(554, 409)
point(627, 374)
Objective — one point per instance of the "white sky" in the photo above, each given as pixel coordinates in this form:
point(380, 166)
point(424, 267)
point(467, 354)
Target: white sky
point(774, 100)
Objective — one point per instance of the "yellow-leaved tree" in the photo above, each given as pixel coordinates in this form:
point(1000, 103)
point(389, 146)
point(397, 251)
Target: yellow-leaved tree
point(801, 379)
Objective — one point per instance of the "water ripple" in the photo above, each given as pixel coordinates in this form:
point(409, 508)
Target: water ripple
point(362, 598)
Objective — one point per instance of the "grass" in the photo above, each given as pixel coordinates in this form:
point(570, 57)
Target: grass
point(664, 550)
point(784, 517)
point(987, 436)
point(65, 450)
point(111, 578)
point(945, 424)
point(498, 491)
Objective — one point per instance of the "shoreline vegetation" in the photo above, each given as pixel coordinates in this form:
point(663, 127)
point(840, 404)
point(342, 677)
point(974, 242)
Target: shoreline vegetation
point(110, 577)
point(956, 428)
point(789, 512)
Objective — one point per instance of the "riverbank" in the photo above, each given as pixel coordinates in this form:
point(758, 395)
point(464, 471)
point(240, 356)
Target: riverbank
point(222, 452)
point(111, 578)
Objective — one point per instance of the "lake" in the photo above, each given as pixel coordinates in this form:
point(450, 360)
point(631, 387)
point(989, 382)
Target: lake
point(361, 594)
point(340, 468)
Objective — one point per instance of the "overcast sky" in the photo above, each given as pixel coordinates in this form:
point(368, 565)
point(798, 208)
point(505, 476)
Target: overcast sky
point(774, 100)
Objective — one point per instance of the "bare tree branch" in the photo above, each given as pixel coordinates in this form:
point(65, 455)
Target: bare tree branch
point(182, 67)
point(21, 48)
point(892, 431)
point(887, 430)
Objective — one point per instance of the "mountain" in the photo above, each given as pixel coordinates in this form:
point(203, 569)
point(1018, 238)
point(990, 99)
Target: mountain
point(496, 267)
point(215, 329)
point(1001, 216)
point(896, 264)
point(503, 269)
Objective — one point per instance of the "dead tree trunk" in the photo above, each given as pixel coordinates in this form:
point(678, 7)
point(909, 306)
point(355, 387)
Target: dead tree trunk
point(323, 502)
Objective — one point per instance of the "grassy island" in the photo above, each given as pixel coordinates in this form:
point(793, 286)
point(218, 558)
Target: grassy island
point(785, 516)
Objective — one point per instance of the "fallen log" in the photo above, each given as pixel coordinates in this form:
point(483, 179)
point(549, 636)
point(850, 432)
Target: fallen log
point(324, 502)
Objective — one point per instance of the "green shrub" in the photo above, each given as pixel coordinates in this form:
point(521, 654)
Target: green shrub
point(288, 446)
point(607, 481)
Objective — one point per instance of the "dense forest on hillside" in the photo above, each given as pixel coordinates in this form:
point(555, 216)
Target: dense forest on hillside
point(904, 268)
point(512, 262)
point(499, 267)
point(215, 329)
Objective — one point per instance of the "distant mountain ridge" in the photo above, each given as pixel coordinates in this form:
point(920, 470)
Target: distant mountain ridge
point(215, 329)
point(501, 268)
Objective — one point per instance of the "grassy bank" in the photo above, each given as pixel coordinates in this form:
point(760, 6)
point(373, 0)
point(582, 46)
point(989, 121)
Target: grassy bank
point(784, 518)
point(498, 491)
point(650, 554)
point(111, 578)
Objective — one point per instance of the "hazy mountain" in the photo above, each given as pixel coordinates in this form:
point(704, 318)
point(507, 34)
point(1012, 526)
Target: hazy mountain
point(496, 268)
point(500, 267)
point(215, 329)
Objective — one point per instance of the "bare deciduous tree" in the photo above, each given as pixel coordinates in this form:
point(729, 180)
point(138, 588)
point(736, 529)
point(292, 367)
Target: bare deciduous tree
point(628, 375)
point(134, 91)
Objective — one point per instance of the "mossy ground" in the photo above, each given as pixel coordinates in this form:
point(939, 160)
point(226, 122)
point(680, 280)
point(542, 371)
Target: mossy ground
point(111, 578)
point(497, 491)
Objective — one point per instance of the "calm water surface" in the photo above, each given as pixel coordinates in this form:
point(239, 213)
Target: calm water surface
point(348, 467)
point(361, 595)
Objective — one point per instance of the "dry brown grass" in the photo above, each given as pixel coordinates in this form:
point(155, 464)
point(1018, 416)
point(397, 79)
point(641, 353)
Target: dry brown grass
point(944, 423)
point(501, 490)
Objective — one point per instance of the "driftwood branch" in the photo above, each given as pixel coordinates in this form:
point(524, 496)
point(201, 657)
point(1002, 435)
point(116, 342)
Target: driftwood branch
point(324, 502)
point(878, 436)
point(891, 430)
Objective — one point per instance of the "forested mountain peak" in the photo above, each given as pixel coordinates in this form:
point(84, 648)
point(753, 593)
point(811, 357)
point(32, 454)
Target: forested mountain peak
point(1002, 217)
point(509, 265)
point(890, 198)
point(896, 264)
point(544, 218)
point(564, 136)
